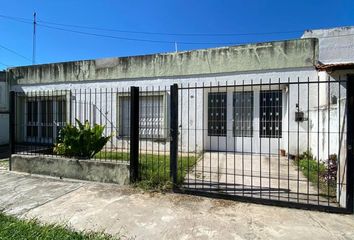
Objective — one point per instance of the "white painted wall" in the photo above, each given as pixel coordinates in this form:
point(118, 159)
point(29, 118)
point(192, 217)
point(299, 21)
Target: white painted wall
point(192, 106)
point(336, 45)
point(253, 144)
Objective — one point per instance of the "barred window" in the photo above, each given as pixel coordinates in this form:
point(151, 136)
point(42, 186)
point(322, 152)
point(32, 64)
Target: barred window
point(243, 114)
point(270, 114)
point(151, 116)
point(32, 119)
point(45, 116)
point(217, 114)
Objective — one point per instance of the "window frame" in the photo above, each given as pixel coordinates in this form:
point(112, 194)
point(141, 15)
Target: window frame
point(4, 106)
point(244, 133)
point(269, 133)
point(55, 97)
point(165, 107)
point(224, 132)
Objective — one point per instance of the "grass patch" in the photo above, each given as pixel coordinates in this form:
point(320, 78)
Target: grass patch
point(13, 228)
point(154, 169)
point(4, 164)
point(121, 156)
point(315, 172)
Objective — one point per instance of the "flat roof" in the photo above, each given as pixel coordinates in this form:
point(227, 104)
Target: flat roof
point(297, 53)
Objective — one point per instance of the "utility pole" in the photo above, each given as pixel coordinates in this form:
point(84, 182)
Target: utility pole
point(34, 39)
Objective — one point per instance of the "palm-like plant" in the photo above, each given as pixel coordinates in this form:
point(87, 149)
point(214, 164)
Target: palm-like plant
point(83, 141)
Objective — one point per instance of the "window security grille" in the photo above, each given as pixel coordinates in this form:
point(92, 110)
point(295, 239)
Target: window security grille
point(217, 114)
point(151, 116)
point(32, 119)
point(243, 114)
point(45, 117)
point(270, 114)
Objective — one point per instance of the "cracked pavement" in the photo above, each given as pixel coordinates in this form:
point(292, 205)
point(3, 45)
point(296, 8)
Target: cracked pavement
point(148, 215)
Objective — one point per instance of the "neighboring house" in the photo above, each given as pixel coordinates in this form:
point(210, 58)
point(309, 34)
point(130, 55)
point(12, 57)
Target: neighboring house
point(68, 90)
point(4, 116)
point(335, 61)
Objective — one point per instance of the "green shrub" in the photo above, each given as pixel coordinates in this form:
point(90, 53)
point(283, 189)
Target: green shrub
point(311, 168)
point(321, 174)
point(83, 141)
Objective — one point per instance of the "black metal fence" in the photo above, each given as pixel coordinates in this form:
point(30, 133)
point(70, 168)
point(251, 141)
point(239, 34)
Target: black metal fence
point(38, 117)
point(277, 141)
point(136, 119)
point(4, 148)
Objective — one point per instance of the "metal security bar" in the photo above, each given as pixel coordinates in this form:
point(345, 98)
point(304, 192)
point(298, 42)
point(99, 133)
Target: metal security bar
point(137, 119)
point(154, 137)
point(274, 141)
point(39, 116)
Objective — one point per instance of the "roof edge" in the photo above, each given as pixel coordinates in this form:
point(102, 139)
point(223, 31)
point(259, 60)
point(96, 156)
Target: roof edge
point(250, 57)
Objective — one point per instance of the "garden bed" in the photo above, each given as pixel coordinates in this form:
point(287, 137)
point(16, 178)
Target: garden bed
point(110, 167)
point(319, 174)
point(154, 170)
point(57, 166)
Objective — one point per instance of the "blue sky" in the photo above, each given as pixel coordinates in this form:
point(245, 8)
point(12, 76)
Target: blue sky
point(284, 19)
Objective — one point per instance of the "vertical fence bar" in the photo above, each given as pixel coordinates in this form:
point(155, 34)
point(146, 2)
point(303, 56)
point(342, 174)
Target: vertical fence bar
point(338, 182)
point(350, 143)
point(12, 126)
point(134, 134)
point(174, 133)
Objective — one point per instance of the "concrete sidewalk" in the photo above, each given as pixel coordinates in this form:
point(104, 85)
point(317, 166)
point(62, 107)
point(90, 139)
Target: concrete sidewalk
point(142, 215)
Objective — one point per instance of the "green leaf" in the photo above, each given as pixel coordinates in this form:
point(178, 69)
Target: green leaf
point(82, 141)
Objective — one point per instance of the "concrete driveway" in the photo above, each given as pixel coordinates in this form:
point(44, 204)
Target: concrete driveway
point(142, 215)
point(258, 176)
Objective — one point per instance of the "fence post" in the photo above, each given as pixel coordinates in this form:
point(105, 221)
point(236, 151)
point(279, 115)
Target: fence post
point(174, 133)
point(12, 126)
point(350, 145)
point(134, 134)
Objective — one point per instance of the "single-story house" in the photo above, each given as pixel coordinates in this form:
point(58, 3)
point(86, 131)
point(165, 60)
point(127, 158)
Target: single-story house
point(271, 64)
point(283, 96)
point(262, 65)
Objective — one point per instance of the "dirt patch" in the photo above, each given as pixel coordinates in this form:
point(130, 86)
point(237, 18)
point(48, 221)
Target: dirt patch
point(223, 203)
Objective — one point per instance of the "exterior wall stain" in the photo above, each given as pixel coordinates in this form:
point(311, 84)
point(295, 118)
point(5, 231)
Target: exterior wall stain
point(254, 57)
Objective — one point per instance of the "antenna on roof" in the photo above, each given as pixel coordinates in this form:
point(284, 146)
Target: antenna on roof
point(34, 39)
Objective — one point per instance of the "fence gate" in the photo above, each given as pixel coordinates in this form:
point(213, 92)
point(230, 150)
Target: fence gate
point(275, 142)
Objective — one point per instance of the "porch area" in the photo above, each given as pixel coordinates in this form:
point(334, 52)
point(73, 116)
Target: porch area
point(272, 177)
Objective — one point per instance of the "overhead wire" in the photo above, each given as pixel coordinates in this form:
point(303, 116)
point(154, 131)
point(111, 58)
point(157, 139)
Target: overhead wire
point(52, 25)
point(130, 39)
point(14, 52)
point(168, 33)
point(48, 23)
point(4, 64)
point(27, 20)
point(68, 28)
